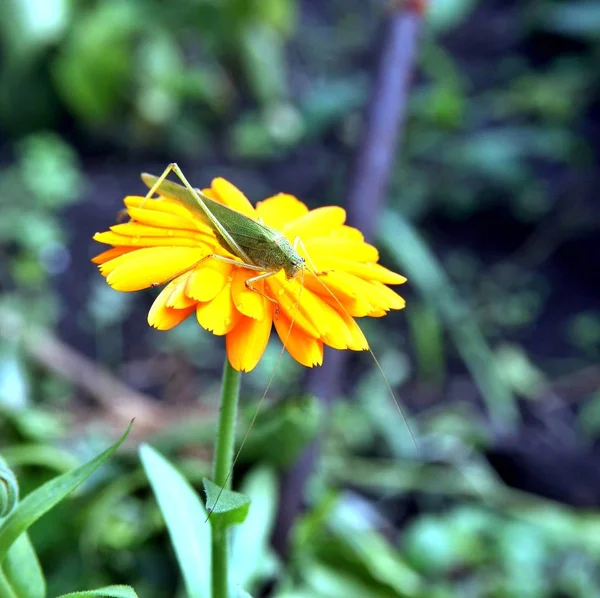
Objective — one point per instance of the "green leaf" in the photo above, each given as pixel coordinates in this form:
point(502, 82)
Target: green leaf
point(225, 506)
point(40, 455)
point(252, 559)
point(92, 72)
point(263, 57)
point(185, 517)
point(290, 426)
point(446, 14)
point(22, 570)
point(6, 590)
point(577, 19)
point(40, 501)
point(107, 592)
point(372, 551)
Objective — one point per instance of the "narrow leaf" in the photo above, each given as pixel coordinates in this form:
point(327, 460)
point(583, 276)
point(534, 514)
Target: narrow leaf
point(107, 592)
point(22, 570)
point(185, 517)
point(40, 501)
point(6, 590)
point(426, 273)
point(226, 507)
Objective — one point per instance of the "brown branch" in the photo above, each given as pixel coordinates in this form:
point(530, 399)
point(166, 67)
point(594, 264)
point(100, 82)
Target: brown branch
point(364, 202)
point(118, 399)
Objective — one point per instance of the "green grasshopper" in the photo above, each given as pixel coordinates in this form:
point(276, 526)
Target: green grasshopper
point(260, 247)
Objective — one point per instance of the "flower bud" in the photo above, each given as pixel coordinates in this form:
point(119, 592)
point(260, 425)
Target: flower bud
point(9, 490)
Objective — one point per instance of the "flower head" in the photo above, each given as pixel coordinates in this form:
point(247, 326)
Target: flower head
point(164, 242)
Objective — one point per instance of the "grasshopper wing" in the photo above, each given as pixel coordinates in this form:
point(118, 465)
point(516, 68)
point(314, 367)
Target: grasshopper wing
point(233, 229)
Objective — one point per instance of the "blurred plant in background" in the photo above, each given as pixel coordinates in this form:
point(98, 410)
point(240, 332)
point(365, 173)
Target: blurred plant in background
point(499, 359)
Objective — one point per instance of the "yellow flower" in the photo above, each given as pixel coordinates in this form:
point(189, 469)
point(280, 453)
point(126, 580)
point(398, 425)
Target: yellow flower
point(165, 243)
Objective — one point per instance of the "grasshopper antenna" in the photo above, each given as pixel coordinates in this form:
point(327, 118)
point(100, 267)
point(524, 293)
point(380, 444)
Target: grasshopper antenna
point(315, 274)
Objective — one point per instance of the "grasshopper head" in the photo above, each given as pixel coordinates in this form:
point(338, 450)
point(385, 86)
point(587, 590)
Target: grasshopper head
point(293, 266)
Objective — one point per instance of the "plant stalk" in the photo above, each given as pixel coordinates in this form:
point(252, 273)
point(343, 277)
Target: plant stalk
point(222, 463)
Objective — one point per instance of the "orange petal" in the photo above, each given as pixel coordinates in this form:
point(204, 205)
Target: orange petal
point(340, 288)
point(247, 342)
point(280, 209)
point(376, 297)
point(304, 349)
point(317, 223)
point(287, 294)
point(232, 197)
point(151, 265)
point(248, 302)
point(177, 297)
point(208, 279)
point(219, 316)
point(340, 333)
point(164, 318)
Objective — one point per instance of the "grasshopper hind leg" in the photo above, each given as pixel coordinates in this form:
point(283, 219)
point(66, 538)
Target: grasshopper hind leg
point(263, 276)
point(170, 168)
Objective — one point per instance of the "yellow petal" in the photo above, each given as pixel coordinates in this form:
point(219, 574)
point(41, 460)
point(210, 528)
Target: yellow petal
point(394, 301)
point(342, 248)
point(110, 238)
point(219, 316)
point(387, 276)
point(359, 340)
point(248, 302)
point(280, 209)
point(247, 342)
point(365, 271)
point(208, 279)
point(232, 197)
point(304, 349)
point(317, 223)
point(168, 221)
point(111, 254)
point(135, 229)
point(347, 232)
point(164, 205)
point(148, 266)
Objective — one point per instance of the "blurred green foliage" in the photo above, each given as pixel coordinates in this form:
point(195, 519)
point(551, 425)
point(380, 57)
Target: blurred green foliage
point(501, 136)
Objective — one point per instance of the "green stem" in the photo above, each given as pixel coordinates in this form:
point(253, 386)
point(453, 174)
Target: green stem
point(222, 463)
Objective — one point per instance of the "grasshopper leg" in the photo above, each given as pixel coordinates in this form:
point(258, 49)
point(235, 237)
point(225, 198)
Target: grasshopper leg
point(159, 181)
point(249, 282)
